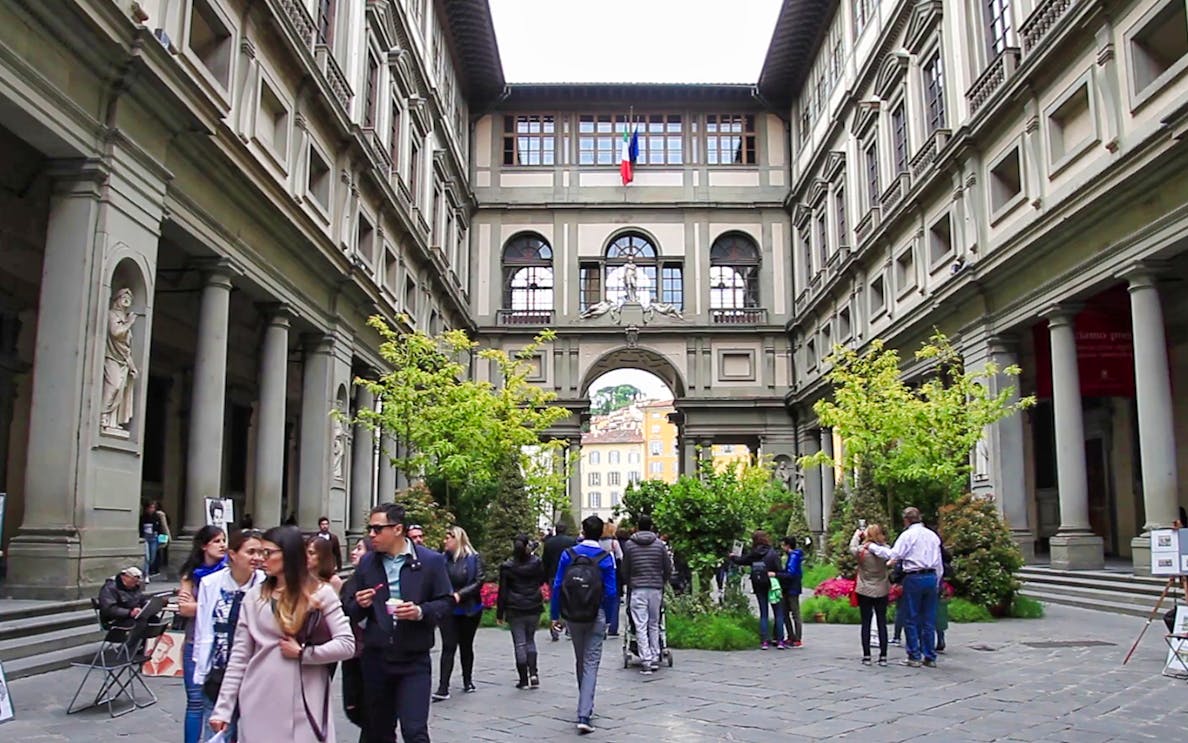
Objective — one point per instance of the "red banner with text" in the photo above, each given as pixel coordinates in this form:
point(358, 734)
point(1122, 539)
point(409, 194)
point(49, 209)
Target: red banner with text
point(1105, 348)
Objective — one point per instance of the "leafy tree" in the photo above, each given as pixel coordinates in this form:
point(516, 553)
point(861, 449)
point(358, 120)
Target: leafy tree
point(510, 513)
point(985, 556)
point(858, 501)
point(421, 507)
point(638, 499)
point(608, 399)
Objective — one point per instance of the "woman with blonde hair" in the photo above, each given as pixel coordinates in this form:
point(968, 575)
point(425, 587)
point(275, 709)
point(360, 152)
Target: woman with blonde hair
point(872, 588)
point(320, 555)
point(291, 630)
point(611, 544)
point(465, 568)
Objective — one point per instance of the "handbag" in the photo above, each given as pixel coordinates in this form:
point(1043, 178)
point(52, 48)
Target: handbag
point(896, 574)
point(857, 569)
point(775, 594)
point(315, 631)
point(214, 677)
point(162, 539)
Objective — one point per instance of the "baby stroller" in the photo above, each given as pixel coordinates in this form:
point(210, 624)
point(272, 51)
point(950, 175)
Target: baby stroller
point(630, 640)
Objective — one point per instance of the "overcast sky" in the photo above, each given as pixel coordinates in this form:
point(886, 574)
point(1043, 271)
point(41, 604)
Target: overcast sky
point(633, 41)
point(646, 382)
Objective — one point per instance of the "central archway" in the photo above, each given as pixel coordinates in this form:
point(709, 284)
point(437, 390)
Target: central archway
point(643, 359)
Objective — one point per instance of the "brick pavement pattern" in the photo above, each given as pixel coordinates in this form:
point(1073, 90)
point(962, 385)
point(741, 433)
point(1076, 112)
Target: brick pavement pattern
point(991, 686)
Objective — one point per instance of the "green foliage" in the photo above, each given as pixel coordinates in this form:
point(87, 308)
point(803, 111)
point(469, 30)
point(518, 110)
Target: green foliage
point(1025, 607)
point(861, 501)
point(817, 573)
point(735, 600)
point(459, 430)
point(420, 507)
point(608, 399)
point(912, 441)
point(985, 556)
point(566, 517)
point(638, 499)
point(688, 604)
point(712, 632)
point(962, 611)
point(509, 514)
point(836, 611)
point(785, 515)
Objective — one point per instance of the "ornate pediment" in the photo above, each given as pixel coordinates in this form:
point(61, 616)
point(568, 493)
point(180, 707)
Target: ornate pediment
point(835, 163)
point(801, 214)
point(399, 61)
point(866, 115)
point(891, 73)
point(418, 106)
point(817, 191)
point(926, 17)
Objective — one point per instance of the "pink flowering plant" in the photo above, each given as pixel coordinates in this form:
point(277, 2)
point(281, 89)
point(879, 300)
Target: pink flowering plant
point(835, 588)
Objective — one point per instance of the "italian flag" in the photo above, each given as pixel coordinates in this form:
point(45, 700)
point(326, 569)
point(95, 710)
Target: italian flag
point(630, 155)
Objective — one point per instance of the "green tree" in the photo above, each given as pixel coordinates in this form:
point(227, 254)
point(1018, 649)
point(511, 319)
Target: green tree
point(858, 501)
point(421, 507)
point(608, 399)
point(985, 556)
point(510, 513)
point(638, 499)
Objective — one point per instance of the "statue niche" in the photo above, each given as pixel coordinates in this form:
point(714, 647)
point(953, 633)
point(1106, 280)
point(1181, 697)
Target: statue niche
point(119, 368)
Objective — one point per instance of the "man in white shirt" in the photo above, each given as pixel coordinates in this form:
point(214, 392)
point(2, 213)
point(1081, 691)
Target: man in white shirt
point(918, 551)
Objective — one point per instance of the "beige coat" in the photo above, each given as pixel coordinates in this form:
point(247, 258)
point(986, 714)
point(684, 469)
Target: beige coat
point(267, 685)
point(872, 571)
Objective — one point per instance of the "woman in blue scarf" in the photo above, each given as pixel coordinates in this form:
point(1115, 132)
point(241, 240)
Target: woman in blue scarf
point(207, 555)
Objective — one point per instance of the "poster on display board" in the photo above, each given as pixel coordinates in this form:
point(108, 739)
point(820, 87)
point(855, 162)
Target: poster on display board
point(1169, 552)
point(220, 512)
point(6, 710)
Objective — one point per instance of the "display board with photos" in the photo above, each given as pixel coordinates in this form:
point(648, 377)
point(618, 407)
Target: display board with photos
point(6, 709)
point(1169, 552)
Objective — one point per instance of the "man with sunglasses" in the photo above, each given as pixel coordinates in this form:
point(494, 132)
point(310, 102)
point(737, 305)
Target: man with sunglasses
point(416, 533)
point(404, 592)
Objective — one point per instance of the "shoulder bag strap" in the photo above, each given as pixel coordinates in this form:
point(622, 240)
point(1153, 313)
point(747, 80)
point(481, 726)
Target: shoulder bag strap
point(318, 731)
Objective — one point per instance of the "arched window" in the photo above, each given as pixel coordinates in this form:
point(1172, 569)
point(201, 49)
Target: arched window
point(653, 279)
point(528, 279)
point(734, 273)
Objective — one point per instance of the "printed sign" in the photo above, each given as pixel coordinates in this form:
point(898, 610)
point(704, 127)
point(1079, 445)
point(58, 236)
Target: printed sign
point(220, 512)
point(1169, 552)
point(6, 711)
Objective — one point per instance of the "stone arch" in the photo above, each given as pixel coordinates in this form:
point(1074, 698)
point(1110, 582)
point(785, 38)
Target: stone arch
point(638, 357)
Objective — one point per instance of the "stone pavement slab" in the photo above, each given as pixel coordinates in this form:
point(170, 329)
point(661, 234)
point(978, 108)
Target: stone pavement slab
point(990, 686)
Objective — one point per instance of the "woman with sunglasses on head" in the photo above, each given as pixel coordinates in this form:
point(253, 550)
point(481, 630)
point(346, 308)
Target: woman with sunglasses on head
point(219, 600)
point(208, 555)
point(291, 630)
point(320, 554)
point(465, 568)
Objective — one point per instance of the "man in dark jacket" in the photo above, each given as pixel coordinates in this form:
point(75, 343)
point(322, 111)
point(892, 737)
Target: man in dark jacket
point(551, 552)
point(121, 599)
point(646, 569)
point(406, 593)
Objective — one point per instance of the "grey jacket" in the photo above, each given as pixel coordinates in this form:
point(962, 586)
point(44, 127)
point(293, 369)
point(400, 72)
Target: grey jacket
point(646, 562)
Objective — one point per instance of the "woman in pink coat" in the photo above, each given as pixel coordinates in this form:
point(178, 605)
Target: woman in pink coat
point(269, 666)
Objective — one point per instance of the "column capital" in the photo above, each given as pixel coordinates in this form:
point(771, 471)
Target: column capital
point(317, 343)
point(1059, 314)
point(78, 175)
point(1004, 343)
point(277, 314)
point(217, 271)
point(1143, 274)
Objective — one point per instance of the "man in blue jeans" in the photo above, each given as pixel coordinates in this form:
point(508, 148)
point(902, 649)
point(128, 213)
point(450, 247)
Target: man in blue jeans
point(587, 635)
point(918, 550)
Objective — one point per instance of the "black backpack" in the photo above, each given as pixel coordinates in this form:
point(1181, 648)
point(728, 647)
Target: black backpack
point(581, 586)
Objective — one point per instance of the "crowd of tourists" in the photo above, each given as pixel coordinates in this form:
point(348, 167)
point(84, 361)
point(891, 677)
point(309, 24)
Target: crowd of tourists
point(268, 617)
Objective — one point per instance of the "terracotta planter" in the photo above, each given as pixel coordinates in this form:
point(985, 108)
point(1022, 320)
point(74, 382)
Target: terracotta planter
point(819, 617)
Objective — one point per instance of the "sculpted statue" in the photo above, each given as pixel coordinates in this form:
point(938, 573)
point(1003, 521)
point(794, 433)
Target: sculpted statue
point(785, 474)
point(119, 370)
point(337, 448)
point(664, 309)
point(630, 281)
point(602, 308)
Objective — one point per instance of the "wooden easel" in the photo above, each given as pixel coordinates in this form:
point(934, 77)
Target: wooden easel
point(1172, 581)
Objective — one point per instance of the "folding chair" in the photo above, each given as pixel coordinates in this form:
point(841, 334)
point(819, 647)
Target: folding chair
point(113, 660)
point(1177, 644)
point(149, 636)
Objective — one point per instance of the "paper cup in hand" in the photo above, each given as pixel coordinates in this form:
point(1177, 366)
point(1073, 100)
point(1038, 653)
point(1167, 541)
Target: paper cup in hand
point(391, 606)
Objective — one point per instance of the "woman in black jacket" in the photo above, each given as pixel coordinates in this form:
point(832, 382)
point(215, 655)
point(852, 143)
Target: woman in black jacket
point(465, 568)
point(764, 563)
point(519, 604)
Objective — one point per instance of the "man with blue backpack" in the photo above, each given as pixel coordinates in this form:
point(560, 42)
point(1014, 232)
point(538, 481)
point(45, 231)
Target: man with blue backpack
point(585, 594)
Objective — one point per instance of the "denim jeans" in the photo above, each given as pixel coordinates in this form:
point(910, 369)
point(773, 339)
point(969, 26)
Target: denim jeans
point(919, 624)
point(763, 623)
point(195, 699)
point(587, 655)
point(523, 632)
point(151, 546)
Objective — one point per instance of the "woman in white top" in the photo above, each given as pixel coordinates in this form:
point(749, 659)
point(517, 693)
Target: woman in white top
point(219, 598)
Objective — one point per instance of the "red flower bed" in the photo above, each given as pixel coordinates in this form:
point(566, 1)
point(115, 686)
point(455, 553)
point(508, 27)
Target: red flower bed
point(839, 588)
point(490, 593)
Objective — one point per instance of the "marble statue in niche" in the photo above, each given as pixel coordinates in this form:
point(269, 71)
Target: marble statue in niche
point(337, 448)
point(119, 369)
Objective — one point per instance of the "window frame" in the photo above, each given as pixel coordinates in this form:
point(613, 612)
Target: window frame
point(544, 137)
point(537, 298)
point(933, 87)
point(746, 146)
point(653, 266)
point(998, 17)
point(744, 263)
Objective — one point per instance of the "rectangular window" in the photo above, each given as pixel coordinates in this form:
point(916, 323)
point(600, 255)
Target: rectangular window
point(612, 478)
point(940, 240)
point(823, 237)
point(394, 134)
point(272, 122)
point(600, 138)
point(839, 200)
point(900, 134)
point(326, 21)
point(672, 285)
point(905, 272)
point(414, 170)
point(654, 447)
point(863, 12)
point(660, 139)
point(1006, 181)
point(934, 93)
point(410, 297)
point(1159, 45)
point(612, 457)
point(529, 139)
point(318, 185)
point(656, 468)
point(210, 40)
point(632, 457)
point(365, 240)
point(730, 139)
point(371, 92)
point(844, 326)
point(806, 248)
point(594, 478)
point(595, 499)
point(590, 286)
point(998, 25)
point(634, 477)
point(872, 173)
point(878, 296)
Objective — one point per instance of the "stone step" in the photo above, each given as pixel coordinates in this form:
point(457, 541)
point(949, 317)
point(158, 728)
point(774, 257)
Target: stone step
point(13, 629)
point(11, 610)
point(48, 642)
point(1081, 592)
point(52, 661)
point(1096, 603)
point(1120, 584)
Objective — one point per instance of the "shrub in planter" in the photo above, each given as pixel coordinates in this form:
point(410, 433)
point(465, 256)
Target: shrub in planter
point(835, 610)
point(985, 556)
point(962, 611)
point(712, 632)
point(1025, 607)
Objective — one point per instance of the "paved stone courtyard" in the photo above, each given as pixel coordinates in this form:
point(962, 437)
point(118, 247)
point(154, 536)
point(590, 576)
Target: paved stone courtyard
point(991, 686)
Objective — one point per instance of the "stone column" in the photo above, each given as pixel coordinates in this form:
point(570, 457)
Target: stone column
point(386, 490)
point(1006, 451)
point(574, 455)
point(362, 468)
point(827, 476)
point(1074, 546)
point(270, 431)
point(1157, 440)
point(204, 459)
point(317, 399)
point(810, 481)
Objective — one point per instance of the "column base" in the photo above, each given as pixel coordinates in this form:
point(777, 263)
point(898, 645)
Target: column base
point(1025, 541)
point(1140, 554)
point(56, 564)
point(1077, 552)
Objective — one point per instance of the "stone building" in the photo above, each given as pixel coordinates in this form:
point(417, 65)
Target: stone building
point(611, 460)
point(203, 201)
point(1013, 173)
